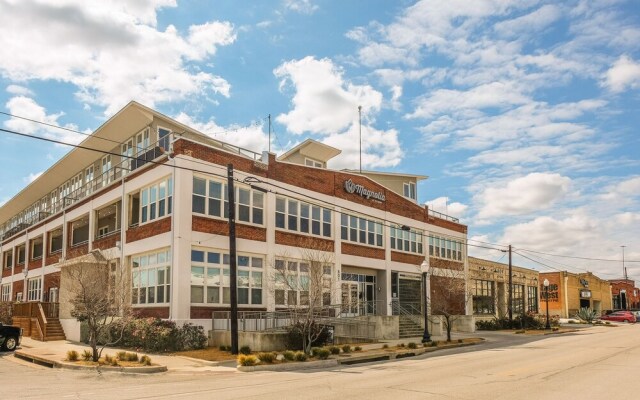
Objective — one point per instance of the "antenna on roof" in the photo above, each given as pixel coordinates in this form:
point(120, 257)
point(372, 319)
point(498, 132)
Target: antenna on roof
point(269, 133)
point(624, 269)
point(360, 124)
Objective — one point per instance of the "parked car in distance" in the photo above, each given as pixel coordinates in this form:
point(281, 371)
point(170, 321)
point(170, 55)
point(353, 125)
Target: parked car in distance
point(10, 337)
point(620, 316)
point(637, 314)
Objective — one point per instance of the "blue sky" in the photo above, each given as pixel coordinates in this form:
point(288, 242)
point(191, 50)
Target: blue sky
point(524, 113)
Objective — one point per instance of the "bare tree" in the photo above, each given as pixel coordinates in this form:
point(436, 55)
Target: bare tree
point(448, 296)
point(304, 286)
point(99, 292)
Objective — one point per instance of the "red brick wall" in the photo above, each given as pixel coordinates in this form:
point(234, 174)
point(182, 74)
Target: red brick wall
point(33, 264)
point(218, 227)
point(6, 272)
point(406, 258)
point(362, 251)
point(443, 223)
point(445, 264)
point(18, 286)
point(307, 242)
point(148, 230)
point(53, 258)
point(318, 180)
point(211, 155)
point(106, 242)
point(77, 251)
point(157, 312)
point(203, 312)
point(18, 269)
point(50, 281)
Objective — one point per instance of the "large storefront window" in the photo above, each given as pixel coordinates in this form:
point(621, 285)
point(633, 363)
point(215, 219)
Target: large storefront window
point(298, 283)
point(403, 240)
point(532, 299)
point(211, 283)
point(298, 216)
point(483, 297)
point(151, 278)
point(518, 299)
point(361, 230)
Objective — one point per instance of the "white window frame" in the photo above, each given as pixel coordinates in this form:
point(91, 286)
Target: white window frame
point(296, 289)
point(142, 141)
point(126, 152)
point(289, 209)
point(105, 169)
point(210, 269)
point(446, 248)
point(409, 190)
point(162, 140)
point(151, 273)
point(34, 289)
point(32, 249)
point(254, 207)
point(152, 199)
point(5, 294)
point(310, 162)
point(412, 241)
point(353, 227)
point(88, 178)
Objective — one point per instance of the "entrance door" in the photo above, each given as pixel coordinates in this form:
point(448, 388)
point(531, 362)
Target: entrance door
point(53, 295)
point(585, 303)
point(358, 298)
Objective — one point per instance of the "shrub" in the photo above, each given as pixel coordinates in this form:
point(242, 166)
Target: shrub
point(434, 344)
point(247, 360)
point(121, 355)
point(346, 348)
point(6, 312)
point(412, 345)
point(314, 351)
point(87, 355)
point(401, 345)
point(268, 358)
point(334, 350)
point(587, 315)
point(108, 359)
point(157, 335)
point(290, 355)
point(385, 346)
point(193, 337)
point(300, 356)
point(145, 360)
point(133, 357)
point(294, 336)
point(358, 348)
point(246, 350)
point(72, 355)
point(323, 353)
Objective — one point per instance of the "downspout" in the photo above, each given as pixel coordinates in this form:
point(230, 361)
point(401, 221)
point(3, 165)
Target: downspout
point(123, 223)
point(173, 225)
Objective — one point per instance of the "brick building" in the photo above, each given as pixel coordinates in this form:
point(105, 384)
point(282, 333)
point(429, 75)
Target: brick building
point(625, 294)
point(568, 292)
point(154, 202)
point(489, 287)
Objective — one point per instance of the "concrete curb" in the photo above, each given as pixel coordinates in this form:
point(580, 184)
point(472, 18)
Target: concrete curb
point(352, 359)
point(67, 365)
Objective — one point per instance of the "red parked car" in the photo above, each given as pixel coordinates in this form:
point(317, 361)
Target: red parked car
point(620, 316)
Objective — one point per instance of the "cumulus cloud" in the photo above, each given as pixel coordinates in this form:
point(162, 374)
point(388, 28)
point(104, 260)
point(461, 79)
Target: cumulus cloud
point(380, 148)
point(301, 6)
point(533, 192)
point(134, 59)
point(323, 101)
point(445, 206)
point(622, 192)
point(624, 74)
point(19, 90)
point(250, 137)
point(26, 107)
point(535, 21)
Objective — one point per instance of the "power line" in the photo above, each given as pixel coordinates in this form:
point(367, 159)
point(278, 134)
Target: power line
point(577, 257)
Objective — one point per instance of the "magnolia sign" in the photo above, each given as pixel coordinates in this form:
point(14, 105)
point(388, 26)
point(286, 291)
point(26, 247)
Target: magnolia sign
point(351, 187)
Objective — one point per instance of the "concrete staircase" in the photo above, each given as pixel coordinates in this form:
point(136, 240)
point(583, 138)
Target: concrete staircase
point(409, 328)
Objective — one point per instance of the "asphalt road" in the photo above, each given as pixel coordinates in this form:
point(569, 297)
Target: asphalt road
point(594, 363)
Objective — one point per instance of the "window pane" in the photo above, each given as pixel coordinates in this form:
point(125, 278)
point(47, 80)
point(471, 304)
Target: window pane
point(213, 258)
point(197, 294)
point(215, 190)
point(213, 294)
point(197, 204)
point(197, 255)
point(243, 295)
point(256, 296)
point(199, 186)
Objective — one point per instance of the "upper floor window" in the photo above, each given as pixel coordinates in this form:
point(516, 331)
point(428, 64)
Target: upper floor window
point(302, 217)
point(5, 294)
point(406, 240)
point(21, 254)
point(108, 220)
point(36, 248)
point(360, 230)
point(142, 141)
point(163, 138)
point(80, 231)
point(445, 248)
point(151, 278)
point(211, 283)
point(210, 198)
point(155, 200)
point(55, 241)
point(310, 162)
point(409, 190)
point(7, 261)
point(302, 283)
point(126, 152)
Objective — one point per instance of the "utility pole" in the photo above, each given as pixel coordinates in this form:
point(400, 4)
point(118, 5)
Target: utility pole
point(510, 287)
point(624, 269)
point(360, 124)
point(233, 268)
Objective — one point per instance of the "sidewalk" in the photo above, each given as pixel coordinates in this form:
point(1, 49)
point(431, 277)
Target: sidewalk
point(57, 351)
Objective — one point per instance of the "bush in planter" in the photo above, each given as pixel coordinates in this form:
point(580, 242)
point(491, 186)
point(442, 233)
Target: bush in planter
point(87, 355)
point(246, 350)
point(322, 354)
point(346, 348)
point(290, 355)
point(267, 358)
point(412, 345)
point(72, 355)
point(193, 337)
point(247, 360)
point(334, 350)
point(157, 335)
point(294, 336)
point(300, 356)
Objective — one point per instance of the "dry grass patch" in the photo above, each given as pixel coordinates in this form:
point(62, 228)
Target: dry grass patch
point(207, 354)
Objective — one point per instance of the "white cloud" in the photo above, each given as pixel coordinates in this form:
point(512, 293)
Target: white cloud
point(379, 148)
point(624, 74)
point(250, 137)
point(26, 107)
point(301, 6)
point(323, 102)
point(535, 21)
point(134, 59)
point(445, 206)
point(530, 193)
point(32, 177)
point(622, 192)
point(19, 90)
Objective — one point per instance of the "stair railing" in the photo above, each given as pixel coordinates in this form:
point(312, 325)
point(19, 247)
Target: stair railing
point(41, 322)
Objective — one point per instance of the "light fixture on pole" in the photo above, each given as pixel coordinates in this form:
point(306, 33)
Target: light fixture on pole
point(424, 268)
point(546, 295)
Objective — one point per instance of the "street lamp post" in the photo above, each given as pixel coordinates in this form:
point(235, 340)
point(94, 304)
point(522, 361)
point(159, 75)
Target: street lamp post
point(424, 268)
point(546, 295)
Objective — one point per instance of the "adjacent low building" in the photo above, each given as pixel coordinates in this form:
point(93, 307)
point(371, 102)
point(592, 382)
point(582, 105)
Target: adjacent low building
point(625, 295)
point(489, 287)
point(568, 292)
